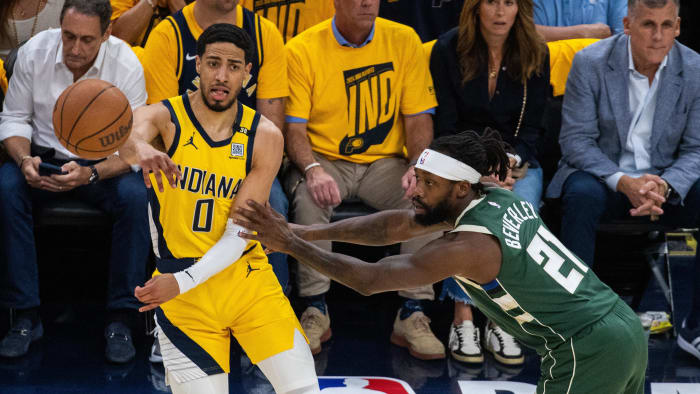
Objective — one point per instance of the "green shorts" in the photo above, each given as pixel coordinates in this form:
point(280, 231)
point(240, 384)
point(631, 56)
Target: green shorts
point(609, 356)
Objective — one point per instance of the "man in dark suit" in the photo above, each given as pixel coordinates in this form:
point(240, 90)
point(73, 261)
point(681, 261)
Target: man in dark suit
point(630, 136)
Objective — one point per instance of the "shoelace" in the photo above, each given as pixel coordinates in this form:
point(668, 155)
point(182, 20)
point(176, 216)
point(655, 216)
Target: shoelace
point(461, 331)
point(21, 331)
point(504, 339)
point(122, 337)
point(314, 321)
point(422, 325)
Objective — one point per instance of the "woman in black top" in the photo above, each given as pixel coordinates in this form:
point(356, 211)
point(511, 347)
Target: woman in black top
point(492, 71)
point(480, 70)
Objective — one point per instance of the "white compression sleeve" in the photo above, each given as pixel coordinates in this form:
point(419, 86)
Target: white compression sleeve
point(226, 251)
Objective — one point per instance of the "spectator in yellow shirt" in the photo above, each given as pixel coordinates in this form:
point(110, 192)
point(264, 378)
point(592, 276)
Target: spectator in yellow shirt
point(133, 20)
point(292, 16)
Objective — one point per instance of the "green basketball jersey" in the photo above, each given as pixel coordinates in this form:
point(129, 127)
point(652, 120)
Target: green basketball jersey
point(543, 293)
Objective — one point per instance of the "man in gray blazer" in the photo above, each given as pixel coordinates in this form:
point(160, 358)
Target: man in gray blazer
point(630, 136)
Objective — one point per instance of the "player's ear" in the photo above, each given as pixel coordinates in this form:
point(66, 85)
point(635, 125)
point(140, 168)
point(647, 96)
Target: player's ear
point(198, 64)
point(107, 32)
point(462, 189)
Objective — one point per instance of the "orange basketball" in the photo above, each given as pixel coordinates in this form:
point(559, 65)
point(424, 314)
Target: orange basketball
point(92, 118)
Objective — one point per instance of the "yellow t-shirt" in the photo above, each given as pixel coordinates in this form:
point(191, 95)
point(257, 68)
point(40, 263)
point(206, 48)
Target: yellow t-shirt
point(292, 16)
point(163, 58)
point(119, 7)
point(561, 55)
point(3, 78)
point(353, 99)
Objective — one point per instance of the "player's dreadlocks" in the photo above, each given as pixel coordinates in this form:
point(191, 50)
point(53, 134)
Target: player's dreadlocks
point(485, 153)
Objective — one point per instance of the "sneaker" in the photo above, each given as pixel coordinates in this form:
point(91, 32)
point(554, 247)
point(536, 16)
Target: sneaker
point(465, 344)
point(155, 356)
point(414, 333)
point(689, 340)
point(120, 346)
point(317, 327)
point(21, 335)
point(502, 345)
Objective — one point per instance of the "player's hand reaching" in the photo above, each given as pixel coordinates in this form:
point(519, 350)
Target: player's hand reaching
point(270, 227)
point(154, 161)
point(156, 291)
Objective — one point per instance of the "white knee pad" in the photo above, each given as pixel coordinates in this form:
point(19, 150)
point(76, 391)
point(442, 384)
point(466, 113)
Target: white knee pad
point(292, 371)
point(212, 384)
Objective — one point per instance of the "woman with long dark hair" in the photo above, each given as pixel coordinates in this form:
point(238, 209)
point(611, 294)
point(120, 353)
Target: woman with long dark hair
point(492, 71)
point(21, 20)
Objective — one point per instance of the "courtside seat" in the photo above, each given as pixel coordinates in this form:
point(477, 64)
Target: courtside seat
point(69, 213)
point(651, 241)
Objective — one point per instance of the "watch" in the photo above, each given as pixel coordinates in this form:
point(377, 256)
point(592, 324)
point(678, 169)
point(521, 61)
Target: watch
point(94, 176)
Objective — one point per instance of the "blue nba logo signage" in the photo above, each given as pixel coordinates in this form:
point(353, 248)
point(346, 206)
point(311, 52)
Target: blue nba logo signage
point(362, 385)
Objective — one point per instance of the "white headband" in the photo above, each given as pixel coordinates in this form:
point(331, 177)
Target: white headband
point(446, 167)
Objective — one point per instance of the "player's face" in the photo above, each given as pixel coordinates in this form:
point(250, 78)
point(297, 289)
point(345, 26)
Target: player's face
point(431, 198)
point(222, 70)
point(652, 32)
point(82, 36)
point(497, 16)
point(361, 13)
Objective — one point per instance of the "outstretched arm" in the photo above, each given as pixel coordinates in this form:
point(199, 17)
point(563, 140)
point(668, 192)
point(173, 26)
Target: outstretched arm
point(381, 228)
point(150, 122)
point(472, 255)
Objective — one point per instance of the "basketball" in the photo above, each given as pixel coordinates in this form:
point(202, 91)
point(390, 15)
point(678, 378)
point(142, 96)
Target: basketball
point(92, 118)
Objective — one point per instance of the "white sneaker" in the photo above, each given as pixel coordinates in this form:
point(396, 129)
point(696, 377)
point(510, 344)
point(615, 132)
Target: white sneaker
point(155, 356)
point(502, 345)
point(464, 343)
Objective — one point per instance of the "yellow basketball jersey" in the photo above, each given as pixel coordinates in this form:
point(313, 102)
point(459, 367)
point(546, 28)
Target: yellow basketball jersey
point(189, 219)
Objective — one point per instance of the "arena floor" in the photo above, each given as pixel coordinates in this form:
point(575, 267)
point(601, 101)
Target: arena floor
point(70, 357)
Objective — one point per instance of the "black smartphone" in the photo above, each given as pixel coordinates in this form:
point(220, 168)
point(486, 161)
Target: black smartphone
point(47, 169)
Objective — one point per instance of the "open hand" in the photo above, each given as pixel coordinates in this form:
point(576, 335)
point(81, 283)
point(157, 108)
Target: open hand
point(271, 229)
point(156, 291)
point(154, 161)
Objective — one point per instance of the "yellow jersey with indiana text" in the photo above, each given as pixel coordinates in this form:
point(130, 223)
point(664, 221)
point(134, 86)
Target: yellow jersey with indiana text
point(186, 221)
point(354, 99)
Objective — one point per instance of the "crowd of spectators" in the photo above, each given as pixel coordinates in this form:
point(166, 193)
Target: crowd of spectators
point(358, 98)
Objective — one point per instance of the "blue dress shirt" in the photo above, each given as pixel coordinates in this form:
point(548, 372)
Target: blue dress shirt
point(581, 12)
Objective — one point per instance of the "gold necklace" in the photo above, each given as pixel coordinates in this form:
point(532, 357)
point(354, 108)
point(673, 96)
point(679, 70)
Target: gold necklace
point(493, 72)
point(39, 5)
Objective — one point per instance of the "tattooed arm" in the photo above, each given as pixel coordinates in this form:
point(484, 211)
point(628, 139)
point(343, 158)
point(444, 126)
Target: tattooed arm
point(272, 109)
point(381, 228)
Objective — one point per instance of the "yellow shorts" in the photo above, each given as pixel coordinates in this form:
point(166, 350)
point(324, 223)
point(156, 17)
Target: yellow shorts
point(244, 300)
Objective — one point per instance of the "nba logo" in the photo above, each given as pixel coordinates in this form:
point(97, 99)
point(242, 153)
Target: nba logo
point(362, 385)
point(423, 157)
